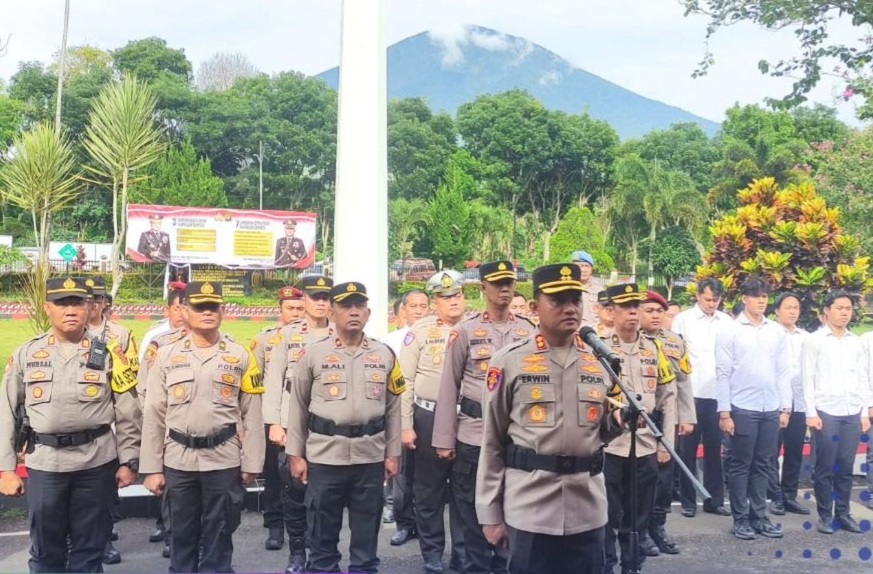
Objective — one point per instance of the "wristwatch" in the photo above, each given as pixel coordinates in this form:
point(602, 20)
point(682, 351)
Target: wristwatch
point(132, 464)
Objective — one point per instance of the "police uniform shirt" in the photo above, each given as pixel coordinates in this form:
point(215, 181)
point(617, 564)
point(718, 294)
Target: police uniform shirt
point(471, 345)
point(151, 352)
point(590, 317)
point(197, 391)
point(279, 372)
point(62, 395)
point(421, 359)
point(347, 387)
point(551, 401)
point(645, 370)
point(674, 347)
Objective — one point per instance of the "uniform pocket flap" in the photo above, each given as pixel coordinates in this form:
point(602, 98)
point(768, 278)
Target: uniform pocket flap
point(592, 393)
point(226, 378)
point(536, 394)
point(92, 377)
point(332, 377)
point(180, 376)
point(38, 375)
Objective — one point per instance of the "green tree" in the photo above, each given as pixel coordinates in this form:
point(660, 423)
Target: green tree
point(490, 231)
point(405, 217)
point(811, 22)
point(792, 239)
point(150, 58)
point(122, 139)
point(682, 147)
point(180, 177)
point(10, 120)
point(675, 255)
point(448, 219)
point(578, 229)
point(34, 86)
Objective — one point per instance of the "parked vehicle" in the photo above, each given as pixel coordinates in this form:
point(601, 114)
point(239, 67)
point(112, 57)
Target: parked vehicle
point(412, 269)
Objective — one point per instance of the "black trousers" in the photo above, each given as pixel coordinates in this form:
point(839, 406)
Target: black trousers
point(480, 556)
point(533, 553)
point(753, 443)
point(403, 506)
point(791, 445)
point(282, 497)
point(705, 430)
point(617, 472)
point(205, 509)
point(70, 505)
point(431, 491)
point(663, 494)
point(835, 447)
point(332, 489)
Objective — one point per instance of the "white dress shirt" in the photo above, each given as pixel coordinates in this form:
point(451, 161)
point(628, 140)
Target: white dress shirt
point(698, 330)
point(795, 345)
point(394, 339)
point(752, 369)
point(835, 378)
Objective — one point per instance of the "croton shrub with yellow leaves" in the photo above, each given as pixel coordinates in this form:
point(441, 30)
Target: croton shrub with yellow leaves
point(792, 239)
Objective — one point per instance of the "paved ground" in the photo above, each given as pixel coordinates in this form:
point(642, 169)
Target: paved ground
point(705, 542)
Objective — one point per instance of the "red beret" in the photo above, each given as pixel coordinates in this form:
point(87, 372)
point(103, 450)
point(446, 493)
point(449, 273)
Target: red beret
point(286, 293)
point(177, 286)
point(655, 297)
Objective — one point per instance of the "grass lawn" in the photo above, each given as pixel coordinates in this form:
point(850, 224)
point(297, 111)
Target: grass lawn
point(17, 332)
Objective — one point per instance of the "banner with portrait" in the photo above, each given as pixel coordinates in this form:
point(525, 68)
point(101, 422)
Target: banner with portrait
point(232, 237)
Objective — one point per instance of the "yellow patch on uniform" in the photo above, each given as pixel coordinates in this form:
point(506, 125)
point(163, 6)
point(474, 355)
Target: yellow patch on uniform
point(483, 366)
point(374, 358)
point(480, 333)
point(651, 384)
point(334, 378)
point(178, 359)
point(179, 391)
point(86, 343)
point(651, 372)
point(671, 339)
point(483, 351)
point(92, 377)
point(437, 359)
point(535, 369)
point(332, 359)
point(646, 353)
point(436, 349)
point(253, 345)
point(536, 393)
point(275, 340)
point(333, 391)
point(595, 394)
point(37, 392)
point(36, 375)
point(226, 392)
point(151, 352)
point(590, 369)
point(296, 338)
point(229, 379)
point(534, 359)
point(396, 382)
point(522, 332)
point(92, 390)
point(434, 333)
point(537, 413)
point(377, 378)
point(230, 359)
point(592, 414)
point(40, 355)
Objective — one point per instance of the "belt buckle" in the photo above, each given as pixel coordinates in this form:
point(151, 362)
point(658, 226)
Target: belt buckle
point(64, 439)
point(356, 431)
point(566, 464)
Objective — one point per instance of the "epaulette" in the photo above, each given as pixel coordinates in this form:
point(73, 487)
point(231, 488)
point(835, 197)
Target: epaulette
point(516, 344)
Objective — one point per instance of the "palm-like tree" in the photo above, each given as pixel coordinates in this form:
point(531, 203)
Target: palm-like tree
point(122, 137)
point(42, 179)
point(404, 216)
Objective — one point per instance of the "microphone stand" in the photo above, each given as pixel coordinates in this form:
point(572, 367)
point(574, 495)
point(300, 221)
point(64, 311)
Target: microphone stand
point(635, 410)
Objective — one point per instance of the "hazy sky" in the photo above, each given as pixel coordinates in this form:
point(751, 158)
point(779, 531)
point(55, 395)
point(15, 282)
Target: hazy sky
point(644, 45)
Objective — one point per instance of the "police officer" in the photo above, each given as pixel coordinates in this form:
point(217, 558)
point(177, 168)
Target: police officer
point(203, 434)
point(652, 312)
point(605, 320)
point(73, 457)
point(585, 262)
point(544, 426)
point(645, 370)
point(457, 435)
point(154, 243)
point(422, 358)
point(344, 433)
point(279, 377)
point(290, 309)
point(289, 249)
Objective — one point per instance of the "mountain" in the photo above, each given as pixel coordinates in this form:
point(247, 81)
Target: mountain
point(451, 68)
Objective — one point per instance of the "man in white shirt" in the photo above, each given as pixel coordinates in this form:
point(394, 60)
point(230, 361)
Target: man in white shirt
point(838, 396)
point(174, 320)
point(698, 326)
point(867, 343)
point(753, 384)
point(414, 305)
point(783, 495)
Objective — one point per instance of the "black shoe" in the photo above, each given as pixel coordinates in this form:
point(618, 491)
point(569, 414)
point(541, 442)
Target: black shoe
point(718, 510)
point(113, 537)
point(767, 529)
point(296, 556)
point(111, 555)
point(166, 550)
point(434, 565)
point(743, 531)
point(825, 526)
point(454, 562)
point(276, 539)
point(665, 545)
point(689, 512)
point(402, 536)
point(157, 535)
point(777, 508)
point(847, 523)
point(648, 546)
point(795, 507)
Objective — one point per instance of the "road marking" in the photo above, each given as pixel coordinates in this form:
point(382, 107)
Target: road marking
point(21, 533)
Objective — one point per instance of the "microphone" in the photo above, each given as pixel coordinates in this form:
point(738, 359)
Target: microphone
point(590, 337)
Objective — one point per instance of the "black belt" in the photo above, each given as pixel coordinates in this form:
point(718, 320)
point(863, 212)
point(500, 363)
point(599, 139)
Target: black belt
point(471, 408)
point(528, 459)
point(70, 439)
point(218, 439)
point(321, 425)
